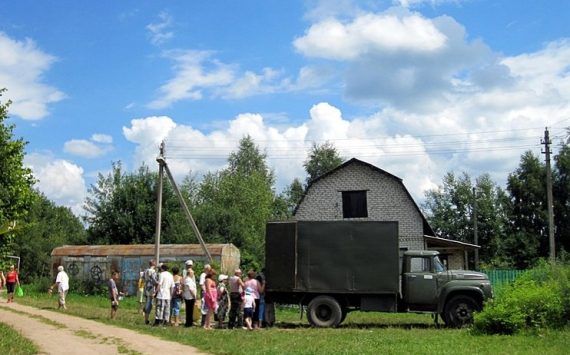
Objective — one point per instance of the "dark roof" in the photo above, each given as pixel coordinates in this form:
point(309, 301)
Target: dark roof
point(427, 228)
point(454, 244)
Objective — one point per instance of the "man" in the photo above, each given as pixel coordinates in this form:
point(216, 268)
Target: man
point(150, 282)
point(236, 288)
point(114, 293)
point(202, 283)
point(62, 284)
point(163, 295)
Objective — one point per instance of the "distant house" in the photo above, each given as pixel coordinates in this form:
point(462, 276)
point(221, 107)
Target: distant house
point(356, 190)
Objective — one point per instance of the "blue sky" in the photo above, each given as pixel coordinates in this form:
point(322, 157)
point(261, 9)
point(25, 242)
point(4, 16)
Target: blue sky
point(415, 87)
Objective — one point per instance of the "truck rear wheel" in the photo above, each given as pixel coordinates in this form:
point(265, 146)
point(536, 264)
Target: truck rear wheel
point(459, 311)
point(324, 312)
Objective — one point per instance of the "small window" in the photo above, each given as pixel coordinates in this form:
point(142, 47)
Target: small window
point(354, 204)
point(420, 264)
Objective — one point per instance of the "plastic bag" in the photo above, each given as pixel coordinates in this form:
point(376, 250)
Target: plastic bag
point(20, 291)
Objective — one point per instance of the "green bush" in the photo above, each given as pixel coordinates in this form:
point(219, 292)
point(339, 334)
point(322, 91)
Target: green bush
point(539, 299)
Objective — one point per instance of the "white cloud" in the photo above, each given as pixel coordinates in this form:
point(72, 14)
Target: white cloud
point(191, 75)
point(22, 65)
point(101, 138)
point(158, 32)
point(370, 33)
point(85, 148)
point(60, 180)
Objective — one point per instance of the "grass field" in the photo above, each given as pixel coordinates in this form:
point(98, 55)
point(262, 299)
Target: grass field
point(14, 344)
point(361, 333)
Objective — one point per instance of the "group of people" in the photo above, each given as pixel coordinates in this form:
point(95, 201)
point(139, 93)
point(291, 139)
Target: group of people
point(164, 290)
point(11, 280)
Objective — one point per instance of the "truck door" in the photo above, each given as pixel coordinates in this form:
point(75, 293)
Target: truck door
point(420, 284)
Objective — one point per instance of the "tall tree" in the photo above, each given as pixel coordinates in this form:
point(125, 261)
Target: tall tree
point(561, 193)
point(527, 232)
point(122, 208)
point(321, 158)
point(16, 181)
point(449, 210)
point(235, 203)
point(44, 228)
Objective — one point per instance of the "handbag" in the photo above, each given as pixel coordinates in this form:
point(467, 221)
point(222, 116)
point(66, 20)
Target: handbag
point(20, 291)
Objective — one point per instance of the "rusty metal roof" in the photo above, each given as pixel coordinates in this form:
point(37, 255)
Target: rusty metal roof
point(138, 250)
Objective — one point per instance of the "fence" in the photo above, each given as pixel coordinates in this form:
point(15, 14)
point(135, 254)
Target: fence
point(502, 277)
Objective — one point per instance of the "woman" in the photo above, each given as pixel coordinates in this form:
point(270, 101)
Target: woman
point(11, 281)
point(176, 297)
point(223, 301)
point(189, 293)
point(210, 297)
point(256, 289)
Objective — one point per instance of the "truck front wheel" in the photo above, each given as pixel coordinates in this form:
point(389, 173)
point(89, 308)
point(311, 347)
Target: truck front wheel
point(459, 311)
point(324, 312)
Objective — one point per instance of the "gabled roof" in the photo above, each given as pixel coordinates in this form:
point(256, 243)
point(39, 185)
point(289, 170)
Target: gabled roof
point(448, 243)
point(427, 228)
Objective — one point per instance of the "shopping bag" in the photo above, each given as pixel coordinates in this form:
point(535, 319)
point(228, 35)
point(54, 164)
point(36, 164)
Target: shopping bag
point(20, 291)
point(197, 314)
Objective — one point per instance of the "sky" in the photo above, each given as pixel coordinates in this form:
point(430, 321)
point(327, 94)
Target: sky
point(415, 87)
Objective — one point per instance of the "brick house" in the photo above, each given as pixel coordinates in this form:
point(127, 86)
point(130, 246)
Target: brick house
point(358, 190)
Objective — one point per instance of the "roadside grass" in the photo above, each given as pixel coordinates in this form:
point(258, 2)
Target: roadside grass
point(361, 333)
point(13, 343)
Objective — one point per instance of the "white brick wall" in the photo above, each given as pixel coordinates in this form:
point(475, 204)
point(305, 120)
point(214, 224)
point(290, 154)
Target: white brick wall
point(386, 197)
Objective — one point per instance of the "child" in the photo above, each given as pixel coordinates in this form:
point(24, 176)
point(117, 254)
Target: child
point(248, 307)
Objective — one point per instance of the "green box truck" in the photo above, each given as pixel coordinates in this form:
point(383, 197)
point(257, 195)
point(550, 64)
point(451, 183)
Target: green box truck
point(334, 267)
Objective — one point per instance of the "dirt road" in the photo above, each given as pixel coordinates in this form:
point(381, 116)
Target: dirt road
point(61, 334)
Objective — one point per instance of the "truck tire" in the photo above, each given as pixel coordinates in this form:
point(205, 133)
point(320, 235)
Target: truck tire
point(459, 311)
point(324, 312)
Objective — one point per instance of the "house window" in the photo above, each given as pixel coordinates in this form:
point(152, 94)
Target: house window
point(354, 204)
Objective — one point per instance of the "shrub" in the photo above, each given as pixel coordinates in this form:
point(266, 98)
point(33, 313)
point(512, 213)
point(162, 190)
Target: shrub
point(539, 299)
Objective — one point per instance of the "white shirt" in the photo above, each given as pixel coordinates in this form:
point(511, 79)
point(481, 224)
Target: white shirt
point(165, 285)
point(203, 281)
point(63, 280)
point(189, 285)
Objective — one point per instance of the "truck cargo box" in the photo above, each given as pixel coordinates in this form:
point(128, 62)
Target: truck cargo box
point(333, 257)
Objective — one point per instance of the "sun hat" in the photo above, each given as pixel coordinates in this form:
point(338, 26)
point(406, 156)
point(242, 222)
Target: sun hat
point(189, 262)
point(222, 277)
point(248, 291)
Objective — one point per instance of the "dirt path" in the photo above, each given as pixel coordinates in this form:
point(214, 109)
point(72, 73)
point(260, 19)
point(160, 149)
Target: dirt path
point(61, 334)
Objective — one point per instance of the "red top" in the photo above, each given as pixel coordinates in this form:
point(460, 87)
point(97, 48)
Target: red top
point(11, 276)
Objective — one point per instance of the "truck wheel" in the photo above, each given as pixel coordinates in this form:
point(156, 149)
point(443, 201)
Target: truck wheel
point(459, 311)
point(324, 312)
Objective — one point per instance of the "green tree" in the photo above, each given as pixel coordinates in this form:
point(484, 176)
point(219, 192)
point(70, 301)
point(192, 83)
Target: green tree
point(234, 204)
point(449, 210)
point(122, 208)
point(44, 228)
point(561, 194)
point(321, 158)
point(16, 181)
point(527, 232)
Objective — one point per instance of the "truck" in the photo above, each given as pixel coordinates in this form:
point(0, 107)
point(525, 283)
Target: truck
point(331, 268)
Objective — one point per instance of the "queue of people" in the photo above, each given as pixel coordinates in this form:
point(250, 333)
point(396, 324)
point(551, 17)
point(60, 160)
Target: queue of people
point(219, 295)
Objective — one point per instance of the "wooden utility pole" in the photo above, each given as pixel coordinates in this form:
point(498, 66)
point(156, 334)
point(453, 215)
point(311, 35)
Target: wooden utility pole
point(475, 235)
point(160, 160)
point(547, 142)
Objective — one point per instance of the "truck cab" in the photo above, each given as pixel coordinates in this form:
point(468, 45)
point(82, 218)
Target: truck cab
point(428, 287)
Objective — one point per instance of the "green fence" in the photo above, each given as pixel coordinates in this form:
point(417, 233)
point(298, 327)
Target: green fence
point(502, 277)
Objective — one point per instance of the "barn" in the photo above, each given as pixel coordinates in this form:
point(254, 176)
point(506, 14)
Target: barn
point(93, 263)
point(357, 190)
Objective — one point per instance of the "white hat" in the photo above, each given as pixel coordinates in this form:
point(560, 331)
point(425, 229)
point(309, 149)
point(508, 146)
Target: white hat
point(222, 277)
point(189, 262)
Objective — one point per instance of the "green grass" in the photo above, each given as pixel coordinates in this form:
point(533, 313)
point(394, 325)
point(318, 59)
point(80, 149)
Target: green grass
point(14, 344)
point(361, 333)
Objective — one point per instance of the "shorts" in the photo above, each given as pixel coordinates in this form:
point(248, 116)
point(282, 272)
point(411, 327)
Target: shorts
point(175, 306)
point(248, 312)
point(114, 305)
point(10, 287)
